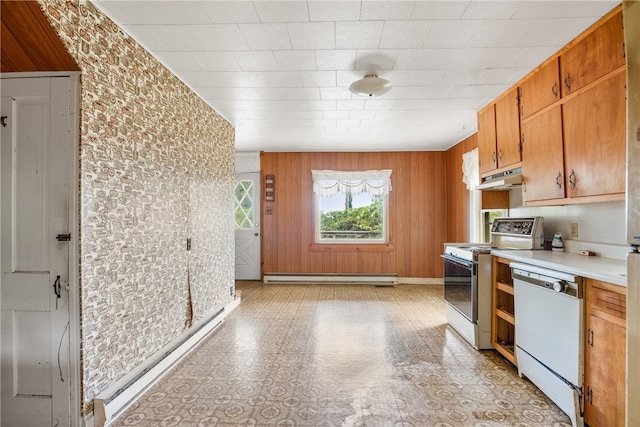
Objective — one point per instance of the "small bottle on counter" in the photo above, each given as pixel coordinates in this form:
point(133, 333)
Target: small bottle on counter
point(557, 244)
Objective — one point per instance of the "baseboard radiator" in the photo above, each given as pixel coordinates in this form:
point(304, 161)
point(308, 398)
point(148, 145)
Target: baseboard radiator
point(367, 279)
point(116, 398)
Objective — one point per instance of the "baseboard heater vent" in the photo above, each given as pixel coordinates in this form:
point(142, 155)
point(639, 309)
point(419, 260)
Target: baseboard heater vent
point(365, 279)
point(115, 399)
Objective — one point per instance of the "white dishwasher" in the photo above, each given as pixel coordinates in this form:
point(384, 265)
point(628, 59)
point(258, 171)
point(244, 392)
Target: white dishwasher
point(549, 331)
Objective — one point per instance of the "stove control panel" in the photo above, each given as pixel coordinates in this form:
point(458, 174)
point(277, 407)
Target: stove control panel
point(518, 233)
point(517, 226)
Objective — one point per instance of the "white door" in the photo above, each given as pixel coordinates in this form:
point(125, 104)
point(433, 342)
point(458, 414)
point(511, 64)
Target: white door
point(247, 211)
point(35, 265)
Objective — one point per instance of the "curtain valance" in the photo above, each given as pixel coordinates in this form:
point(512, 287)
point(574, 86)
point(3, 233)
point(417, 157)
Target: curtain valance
point(471, 169)
point(328, 183)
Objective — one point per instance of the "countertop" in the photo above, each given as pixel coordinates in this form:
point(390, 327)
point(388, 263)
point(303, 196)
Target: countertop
point(595, 267)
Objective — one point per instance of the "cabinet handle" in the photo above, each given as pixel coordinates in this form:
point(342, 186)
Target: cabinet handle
point(558, 180)
point(524, 187)
point(554, 89)
point(589, 395)
point(567, 82)
point(493, 156)
point(500, 155)
point(572, 178)
point(590, 337)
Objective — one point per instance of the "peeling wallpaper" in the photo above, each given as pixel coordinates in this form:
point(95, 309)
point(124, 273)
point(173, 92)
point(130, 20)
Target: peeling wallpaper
point(156, 167)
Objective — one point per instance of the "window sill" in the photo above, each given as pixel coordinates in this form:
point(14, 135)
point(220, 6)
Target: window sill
point(351, 247)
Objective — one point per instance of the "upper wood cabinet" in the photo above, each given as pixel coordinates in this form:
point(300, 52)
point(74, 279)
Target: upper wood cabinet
point(543, 158)
point(540, 89)
point(508, 129)
point(487, 139)
point(593, 56)
point(594, 139)
point(499, 134)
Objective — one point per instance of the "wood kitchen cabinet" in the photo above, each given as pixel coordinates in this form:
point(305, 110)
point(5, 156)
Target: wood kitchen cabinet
point(605, 354)
point(508, 129)
point(594, 139)
point(499, 134)
point(487, 156)
point(540, 89)
point(542, 151)
point(503, 330)
point(593, 56)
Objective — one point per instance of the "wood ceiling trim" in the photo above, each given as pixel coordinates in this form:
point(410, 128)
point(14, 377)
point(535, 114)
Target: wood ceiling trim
point(29, 43)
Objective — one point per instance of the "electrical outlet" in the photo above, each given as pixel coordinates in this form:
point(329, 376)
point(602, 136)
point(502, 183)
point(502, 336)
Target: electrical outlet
point(574, 230)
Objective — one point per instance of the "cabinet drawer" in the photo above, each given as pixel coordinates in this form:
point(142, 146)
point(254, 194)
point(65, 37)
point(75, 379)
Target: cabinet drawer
point(609, 302)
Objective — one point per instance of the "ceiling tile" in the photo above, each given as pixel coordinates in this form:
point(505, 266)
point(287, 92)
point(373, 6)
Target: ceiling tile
point(287, 94)
point(386, 10)
point(491, 9)
point(451, 34)
point(227, 94)
point(282, 11)
point(351, 104)
point(181, 61)
point(335, 93)
point(362, 114)
point(404, 34)
point(283, 78)
point(292, 60)
point(312, 35)
point(178, 12)
point(324, 105)
point(563, 9)
point(335, 59)
point(336, 114)
point(256, 60)
point(358, 34)
point(416, 92)
point(547, 32)
point(318, 78)
point(414, 77)
point(439, 9)
point(167, 37)
point(334, 10)
point(266, 36)
point(260, 105)
point(230, 12)
point(532, 57)
point(461, 77)
point(223, 37)
point(217, 61)
point(498, 32)
point(376, 60)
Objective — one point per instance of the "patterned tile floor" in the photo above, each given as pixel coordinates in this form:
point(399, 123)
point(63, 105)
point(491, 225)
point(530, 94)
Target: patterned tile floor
point(341, 355)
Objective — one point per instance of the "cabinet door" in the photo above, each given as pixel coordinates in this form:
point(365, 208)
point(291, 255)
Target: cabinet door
point(542, 157)
point(594, 139)
point(487, 139)
point(541, 89)
point(508, 129)
point(594, 56)
point(605, 374)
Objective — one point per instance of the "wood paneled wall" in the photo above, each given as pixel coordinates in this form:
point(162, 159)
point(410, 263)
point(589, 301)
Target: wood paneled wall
point(417, 214)
point(29, 43)
point(457, 195)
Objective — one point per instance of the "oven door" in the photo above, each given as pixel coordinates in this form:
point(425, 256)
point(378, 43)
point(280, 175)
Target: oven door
point(461, 286)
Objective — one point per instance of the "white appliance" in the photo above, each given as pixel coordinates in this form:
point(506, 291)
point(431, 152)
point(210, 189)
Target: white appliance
point(631, 16)
point(549, 330)
point(467, 276)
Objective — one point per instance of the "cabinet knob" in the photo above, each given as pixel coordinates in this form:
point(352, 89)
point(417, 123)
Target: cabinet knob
point(572, 178)
point(559, 180)
point(567, 82)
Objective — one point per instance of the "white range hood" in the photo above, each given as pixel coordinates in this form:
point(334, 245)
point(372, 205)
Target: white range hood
point(502, 181)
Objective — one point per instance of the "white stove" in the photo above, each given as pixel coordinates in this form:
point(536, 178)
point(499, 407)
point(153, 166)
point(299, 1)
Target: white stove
point(467, 276)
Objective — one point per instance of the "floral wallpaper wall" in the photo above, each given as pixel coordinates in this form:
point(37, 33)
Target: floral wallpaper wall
point(156, 168)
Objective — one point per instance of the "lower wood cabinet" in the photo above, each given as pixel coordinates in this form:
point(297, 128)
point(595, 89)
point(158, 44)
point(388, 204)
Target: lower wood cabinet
point(503, 323)
point(605, 354)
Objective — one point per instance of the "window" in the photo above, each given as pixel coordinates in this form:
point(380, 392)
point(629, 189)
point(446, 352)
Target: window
point(351, 206)
point(244, 193)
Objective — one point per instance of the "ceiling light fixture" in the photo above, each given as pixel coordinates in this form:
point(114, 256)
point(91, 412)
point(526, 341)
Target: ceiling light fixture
point(371, 85)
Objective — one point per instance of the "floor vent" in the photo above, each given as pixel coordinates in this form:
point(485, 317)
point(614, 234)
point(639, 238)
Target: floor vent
point(115, 399)
point(365, 279)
